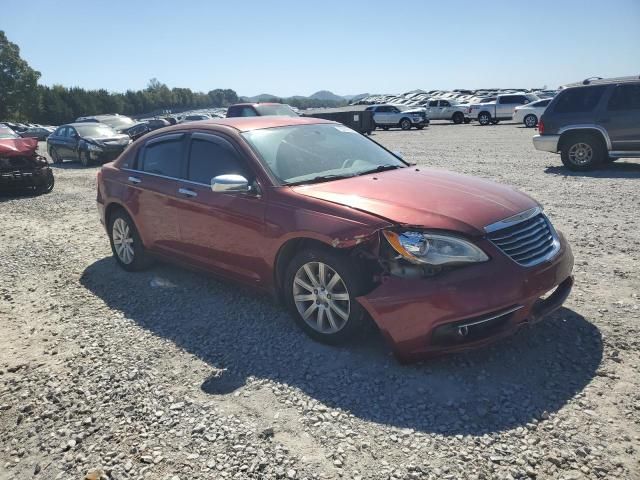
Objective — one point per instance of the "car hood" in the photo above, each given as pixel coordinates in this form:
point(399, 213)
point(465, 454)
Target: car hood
point(14, 147)
point(427, 198)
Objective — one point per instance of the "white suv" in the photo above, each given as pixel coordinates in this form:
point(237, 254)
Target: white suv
point(387, 116)
point(501, 109)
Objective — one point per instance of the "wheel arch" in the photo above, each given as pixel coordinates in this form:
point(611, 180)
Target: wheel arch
point(597, 130)
point(112, 207)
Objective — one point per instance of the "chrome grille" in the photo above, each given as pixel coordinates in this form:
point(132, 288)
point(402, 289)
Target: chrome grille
point(528, 242)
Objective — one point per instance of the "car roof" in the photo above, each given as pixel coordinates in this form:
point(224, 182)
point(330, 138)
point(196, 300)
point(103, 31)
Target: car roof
point(255, 104)
point(246, 124)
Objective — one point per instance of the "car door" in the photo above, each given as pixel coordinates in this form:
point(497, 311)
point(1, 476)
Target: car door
point(72, 140)
point(58, 141)
point(221, 230)
point(622, 117)
point(432, 110)
point(445, 110)
point(153, 197)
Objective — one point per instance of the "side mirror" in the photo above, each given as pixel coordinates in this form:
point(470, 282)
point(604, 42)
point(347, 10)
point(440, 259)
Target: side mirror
point(229, 183)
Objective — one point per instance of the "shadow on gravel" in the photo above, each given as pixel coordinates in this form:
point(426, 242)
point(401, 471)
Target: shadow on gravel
point(611, 170)
point(241, 335)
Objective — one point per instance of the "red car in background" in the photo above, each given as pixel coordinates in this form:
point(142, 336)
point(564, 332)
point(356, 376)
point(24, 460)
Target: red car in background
point(340, 229)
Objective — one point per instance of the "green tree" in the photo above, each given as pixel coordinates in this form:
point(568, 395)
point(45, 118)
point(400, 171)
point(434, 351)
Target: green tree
point(19, 96)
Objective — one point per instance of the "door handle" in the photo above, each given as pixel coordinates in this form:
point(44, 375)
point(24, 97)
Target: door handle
point(134, 180)
point(186, 192)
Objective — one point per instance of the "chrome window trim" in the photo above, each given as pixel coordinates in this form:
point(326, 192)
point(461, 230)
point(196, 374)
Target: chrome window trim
point(513, 220)
point(164, 176)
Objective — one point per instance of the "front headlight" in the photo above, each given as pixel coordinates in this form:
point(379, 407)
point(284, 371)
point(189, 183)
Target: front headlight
point(434, 249)
point(93, 148)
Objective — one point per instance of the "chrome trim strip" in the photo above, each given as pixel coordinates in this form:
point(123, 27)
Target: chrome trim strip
point(166, 177)
point(624, 153)
point(515, 219)
point(465, 326)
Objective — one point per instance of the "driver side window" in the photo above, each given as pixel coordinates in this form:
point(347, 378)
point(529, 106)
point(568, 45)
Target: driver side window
point(209, 158)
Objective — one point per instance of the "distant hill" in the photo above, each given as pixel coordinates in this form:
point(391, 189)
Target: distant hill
point(326, 95)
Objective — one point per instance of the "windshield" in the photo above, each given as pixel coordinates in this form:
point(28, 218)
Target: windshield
point(305, 153)
point(95, 130)
point(6, 132)
point(118, 123)
point(282, 110)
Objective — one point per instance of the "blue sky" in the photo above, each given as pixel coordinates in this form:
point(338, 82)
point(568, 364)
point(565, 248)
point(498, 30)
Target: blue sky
point(348, 47)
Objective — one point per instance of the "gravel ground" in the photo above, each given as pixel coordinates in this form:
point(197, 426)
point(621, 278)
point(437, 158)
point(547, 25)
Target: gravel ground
point(171, 374)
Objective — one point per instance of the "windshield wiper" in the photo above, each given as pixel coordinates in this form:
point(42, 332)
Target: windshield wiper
point(319, 179)
point(381, 168)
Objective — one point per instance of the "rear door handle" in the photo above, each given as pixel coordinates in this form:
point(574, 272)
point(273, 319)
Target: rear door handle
point(134, 180)
point(186, 192)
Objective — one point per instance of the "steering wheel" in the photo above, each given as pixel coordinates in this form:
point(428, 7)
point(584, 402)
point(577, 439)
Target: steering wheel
point(348, 162)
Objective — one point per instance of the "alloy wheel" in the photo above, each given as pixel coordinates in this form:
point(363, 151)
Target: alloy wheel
point(581, 154)
point(123, 241)
point(321, 297)
point(530, 121)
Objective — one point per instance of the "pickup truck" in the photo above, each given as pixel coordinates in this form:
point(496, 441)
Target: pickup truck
point(501, 109)
point(387, 116)
point(438, 109)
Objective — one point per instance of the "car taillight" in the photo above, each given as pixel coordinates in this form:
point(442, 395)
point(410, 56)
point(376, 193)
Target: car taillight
point(540, 127)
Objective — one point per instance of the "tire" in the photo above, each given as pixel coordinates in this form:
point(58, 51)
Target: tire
point(48, 185)
point(530, 121)
point(135, 258)
point(484, 118)
point(582, 151)
point(385, 128)
point(84, 157)
point(53, 153)
point(405, 124)
point(332, 321)
point(457, 118)
point(495, 122)
point(467, 120)
point(420, 127)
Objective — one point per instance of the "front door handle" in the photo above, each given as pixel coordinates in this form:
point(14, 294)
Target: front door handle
point(134, 180)
point(186, 192)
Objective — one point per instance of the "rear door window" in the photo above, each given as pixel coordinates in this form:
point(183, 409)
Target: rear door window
point(433, 103)
point(625, 97)
point(211, 156)
point(579, 100)
point(163, 156)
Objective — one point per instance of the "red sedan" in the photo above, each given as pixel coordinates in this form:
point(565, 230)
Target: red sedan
point(340, 229)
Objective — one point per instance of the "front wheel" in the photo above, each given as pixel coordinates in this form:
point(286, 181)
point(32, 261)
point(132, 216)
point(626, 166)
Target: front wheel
point(385, 128)
point(530, 121)
point(405, 124)
point(48, 184)
point(320, 288)
point(85, 159)
point(126, 244)
point(484, 118)
point(582, 152)
point(458, 118)
point(53, 153)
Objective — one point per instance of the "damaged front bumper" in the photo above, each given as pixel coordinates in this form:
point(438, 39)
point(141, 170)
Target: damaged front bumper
point(467, 307)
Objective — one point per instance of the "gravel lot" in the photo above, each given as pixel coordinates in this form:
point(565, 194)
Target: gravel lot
point(170, 374)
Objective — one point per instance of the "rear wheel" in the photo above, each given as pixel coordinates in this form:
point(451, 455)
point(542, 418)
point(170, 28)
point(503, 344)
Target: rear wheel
point(530, 121)
point(405, 124)
point(582, 152)
point(126, 244)
point(484, 118)
point(458, 118)
point(320, 288)
point(385, 128)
